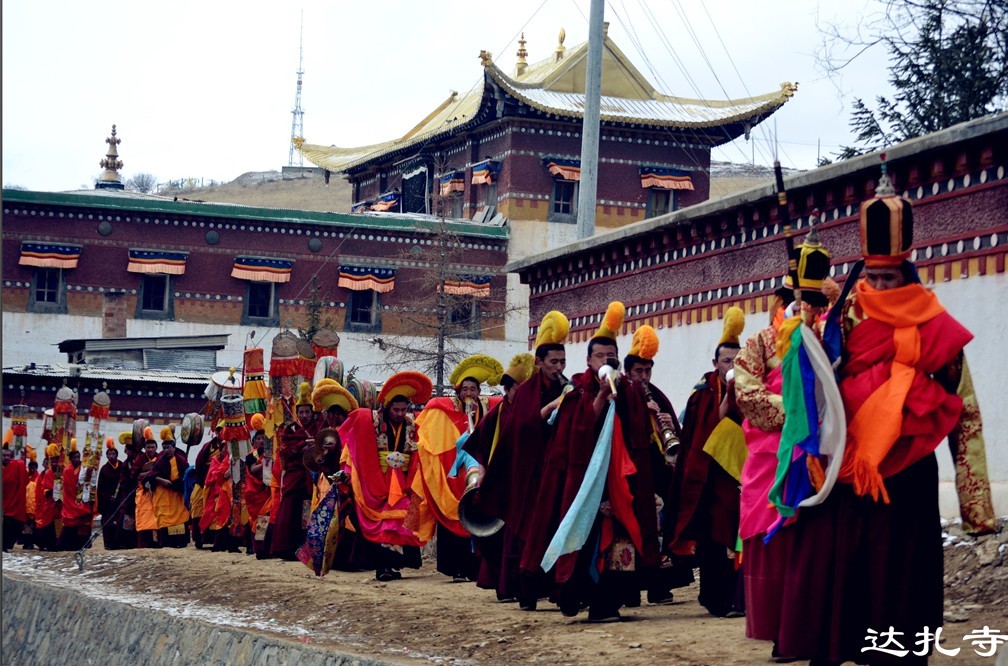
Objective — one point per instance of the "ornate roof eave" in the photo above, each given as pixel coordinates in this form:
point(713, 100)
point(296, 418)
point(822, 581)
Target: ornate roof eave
point(770, 103)
point(355, 160)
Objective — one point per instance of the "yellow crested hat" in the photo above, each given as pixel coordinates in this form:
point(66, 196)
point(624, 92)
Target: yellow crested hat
point(73, 446)
point(52, 450)
point(414, 385)
point(126, 438)
point(612, 321)
point(168, 433)
point(521, 367)
point(645, 343)
point(110, 443)
point(328, 392)
point(482, 368)
point(553, 329)
point(734, 322)
point(304, 395)
point(30, 454)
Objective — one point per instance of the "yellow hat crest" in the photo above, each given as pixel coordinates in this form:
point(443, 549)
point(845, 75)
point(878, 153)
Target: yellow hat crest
point(734, 322)
point(553, 329)
point(645, 342)
point(612, 321)
point(482, 368)
point(521, 367)
point(304, 395)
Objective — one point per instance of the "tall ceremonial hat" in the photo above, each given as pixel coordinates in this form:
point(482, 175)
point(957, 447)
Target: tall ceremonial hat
point(733, 323)
point(520, 368)
point(886, 226)
point(414, 385)
point(168, 433)
point(643, 346)
point(553, 330)
point(813, 269)
point(304, 395)
point(254, 389)
point(328, 392)
point(612, 322)
point(479, 367)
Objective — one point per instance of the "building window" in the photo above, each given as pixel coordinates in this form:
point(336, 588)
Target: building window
point(154, 300)
point(48, 291)
point(456, 206)
point(261, 305)
point(464, 317)
point(660, 201)
point(564, 206)
point(362, 311)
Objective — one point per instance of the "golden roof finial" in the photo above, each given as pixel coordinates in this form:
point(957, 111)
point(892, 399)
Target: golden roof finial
point(522, 64)
point(111, 179)
point(560, 49)
point(486, 58)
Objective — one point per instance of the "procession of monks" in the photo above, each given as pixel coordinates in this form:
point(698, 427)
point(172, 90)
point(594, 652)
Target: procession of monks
point(803, 461)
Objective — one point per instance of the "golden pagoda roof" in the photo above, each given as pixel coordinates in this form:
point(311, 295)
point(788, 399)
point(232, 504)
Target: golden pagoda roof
point(555, 85)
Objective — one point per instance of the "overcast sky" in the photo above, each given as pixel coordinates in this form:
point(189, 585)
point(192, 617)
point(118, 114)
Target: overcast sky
point(206, 89)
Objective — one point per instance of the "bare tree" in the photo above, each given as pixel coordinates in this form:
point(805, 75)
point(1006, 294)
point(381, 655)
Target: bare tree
point(142, 182)
point(440, 322)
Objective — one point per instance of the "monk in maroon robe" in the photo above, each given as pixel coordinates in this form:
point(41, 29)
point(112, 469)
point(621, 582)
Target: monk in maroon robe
point(295, 486)
point(626, 526)
point(511, 483)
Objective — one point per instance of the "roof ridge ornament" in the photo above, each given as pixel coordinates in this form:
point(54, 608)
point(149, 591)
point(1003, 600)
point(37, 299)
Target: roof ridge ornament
point(486, 58)
point(522, 54)
point(560, 49)
point(111, 179)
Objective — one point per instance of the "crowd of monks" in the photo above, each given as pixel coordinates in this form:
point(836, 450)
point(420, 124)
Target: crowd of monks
point(807, 499)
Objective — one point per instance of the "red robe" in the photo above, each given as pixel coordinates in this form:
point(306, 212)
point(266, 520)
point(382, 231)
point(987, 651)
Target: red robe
point(75, 513)
point(295, 488)
point(255, 492)
point(629, 487)
point(15, 482)
point(217, 509)
point(46, 508)
point(511, 484)
point(703, 485)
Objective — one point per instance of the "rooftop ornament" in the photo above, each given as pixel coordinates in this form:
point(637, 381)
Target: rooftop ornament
point(111, 179)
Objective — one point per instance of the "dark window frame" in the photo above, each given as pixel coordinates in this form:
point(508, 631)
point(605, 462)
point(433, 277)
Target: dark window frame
point(567, 213)
point(652, 202)
point(469, 324)
point(352, 308)
point(272, 319)
point(56, 306)
point(168, 312)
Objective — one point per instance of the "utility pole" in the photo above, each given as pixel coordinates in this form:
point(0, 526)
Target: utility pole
point(297, 124)
point(588, 187)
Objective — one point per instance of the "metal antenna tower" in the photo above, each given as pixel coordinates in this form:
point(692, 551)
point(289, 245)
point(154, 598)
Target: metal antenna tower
point(297, 123)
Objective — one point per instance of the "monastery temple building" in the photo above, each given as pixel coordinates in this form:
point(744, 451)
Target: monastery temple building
point(511, 148)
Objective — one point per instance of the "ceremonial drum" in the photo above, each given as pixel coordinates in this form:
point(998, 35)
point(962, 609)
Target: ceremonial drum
point(364, 392)
point(192, 429)
point(329, 367)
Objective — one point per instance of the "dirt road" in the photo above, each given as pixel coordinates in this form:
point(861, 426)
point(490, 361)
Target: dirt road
point(426, 617)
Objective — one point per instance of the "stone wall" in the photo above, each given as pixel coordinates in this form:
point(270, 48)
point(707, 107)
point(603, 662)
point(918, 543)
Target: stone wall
point(45, 625)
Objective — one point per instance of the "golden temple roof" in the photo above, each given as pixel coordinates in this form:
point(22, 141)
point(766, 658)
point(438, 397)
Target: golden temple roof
point(555, 85)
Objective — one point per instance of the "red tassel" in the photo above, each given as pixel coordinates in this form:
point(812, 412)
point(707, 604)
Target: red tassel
point(65, 407)
point(231, 433)
point(19, 429)
point(99, 412)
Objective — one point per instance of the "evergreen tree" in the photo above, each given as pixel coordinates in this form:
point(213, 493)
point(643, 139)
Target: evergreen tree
point(948, 64)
